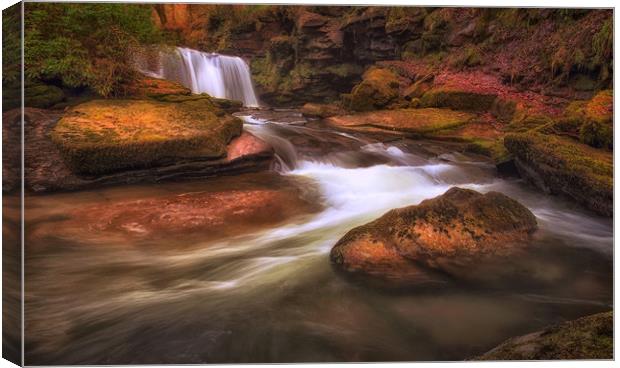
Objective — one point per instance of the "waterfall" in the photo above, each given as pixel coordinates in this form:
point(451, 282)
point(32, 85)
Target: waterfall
point(218, 75)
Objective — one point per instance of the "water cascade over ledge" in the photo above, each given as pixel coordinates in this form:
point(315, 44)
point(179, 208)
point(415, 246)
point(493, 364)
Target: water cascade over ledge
point(218, 75)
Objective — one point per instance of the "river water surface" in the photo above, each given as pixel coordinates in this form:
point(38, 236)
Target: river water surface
point(273, 296)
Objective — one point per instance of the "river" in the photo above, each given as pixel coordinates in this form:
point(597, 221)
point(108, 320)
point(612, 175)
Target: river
point(273, 295)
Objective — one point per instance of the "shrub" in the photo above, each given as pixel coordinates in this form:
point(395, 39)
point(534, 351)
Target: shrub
point(85, 45)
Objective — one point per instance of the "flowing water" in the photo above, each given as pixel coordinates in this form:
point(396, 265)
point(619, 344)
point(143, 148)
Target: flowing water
point(218, 75)
point(273, 296)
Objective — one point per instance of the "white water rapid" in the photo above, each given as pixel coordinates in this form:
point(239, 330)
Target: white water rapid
point(218, 75)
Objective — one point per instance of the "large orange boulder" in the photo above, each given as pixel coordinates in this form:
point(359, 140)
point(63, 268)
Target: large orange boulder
point(449, 234)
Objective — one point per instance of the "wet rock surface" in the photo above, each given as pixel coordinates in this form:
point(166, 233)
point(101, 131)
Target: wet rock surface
point(227, 207)
point(446, 234)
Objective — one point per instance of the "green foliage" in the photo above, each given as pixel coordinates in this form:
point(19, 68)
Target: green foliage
point(602, 42)
point(469, 57)
point(86, 45)
point(11, 57)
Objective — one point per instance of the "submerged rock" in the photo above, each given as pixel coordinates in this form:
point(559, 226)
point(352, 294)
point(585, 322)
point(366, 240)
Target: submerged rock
point(559, 165)
point(449, 233)
point(104, 136)
point(589, 337)
point(226, 207)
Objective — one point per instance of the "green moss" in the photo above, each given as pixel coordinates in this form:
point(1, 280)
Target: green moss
point(378, 88)
point(399, 18)
point(493, 148)
point(104, 136)
point(42, 95)
point(345, 70)
point(504, 110)
point(458, 100)
point(567, 166)
point(469, 57)
point(597, 134)
point(523, 123)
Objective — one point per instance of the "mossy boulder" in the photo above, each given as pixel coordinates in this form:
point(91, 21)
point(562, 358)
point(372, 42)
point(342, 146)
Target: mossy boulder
point(104, 136)
point(589, 337)
point(416, 122)
point(600, 107)
point(42, 95)
point(449, 234)
point(458, 99)
point(593, 120)
point(560, 165)
point(379, 87)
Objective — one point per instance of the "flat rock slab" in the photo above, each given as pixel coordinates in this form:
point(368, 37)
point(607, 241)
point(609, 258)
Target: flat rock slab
point(416, 122)
point(47, 171)
point(104, 136)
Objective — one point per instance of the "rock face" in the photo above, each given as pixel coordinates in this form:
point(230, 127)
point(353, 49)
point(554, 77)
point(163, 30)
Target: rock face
point(450, 232)
point(46, 169)
point(560, 165)
point(588, 337)
point(304, 54)
point(104, 136)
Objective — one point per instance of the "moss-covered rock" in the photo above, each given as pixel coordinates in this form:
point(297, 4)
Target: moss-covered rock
point(42, 95)
point(592, 121)
point(589, 337)
point(561, 165)
point(449, 233)
point(104, 136)
point(416, 122)
point(378, 88)
point(600, 107)
point(597, 134)
point(458, 99)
